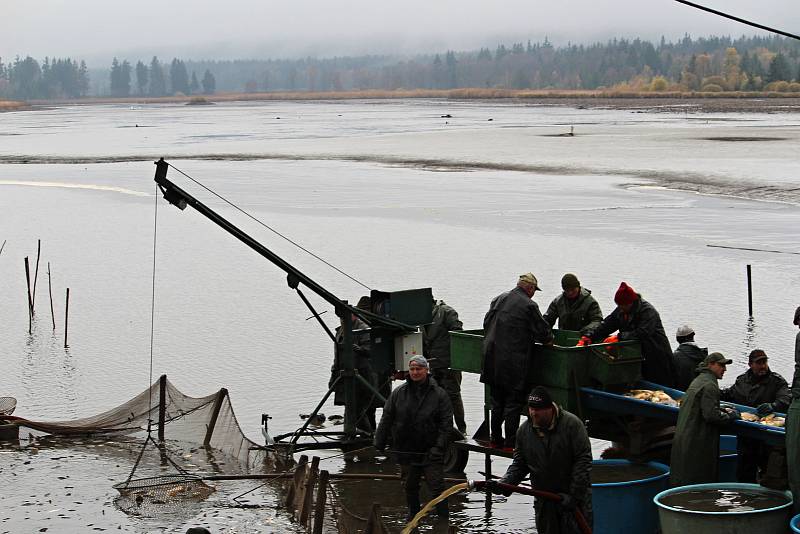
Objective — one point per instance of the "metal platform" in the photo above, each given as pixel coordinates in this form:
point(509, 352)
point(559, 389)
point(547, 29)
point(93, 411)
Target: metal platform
point(482, 447)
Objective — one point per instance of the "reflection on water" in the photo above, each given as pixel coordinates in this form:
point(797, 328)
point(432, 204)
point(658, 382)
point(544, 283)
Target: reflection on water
point(725, 500)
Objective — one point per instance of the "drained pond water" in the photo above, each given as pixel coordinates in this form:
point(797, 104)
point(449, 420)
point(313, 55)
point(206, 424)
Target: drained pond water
point(393, 195)
point(722, 500)
point(607, 474)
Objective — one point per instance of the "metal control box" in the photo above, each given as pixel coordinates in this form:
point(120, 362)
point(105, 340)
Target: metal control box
point(406, 346)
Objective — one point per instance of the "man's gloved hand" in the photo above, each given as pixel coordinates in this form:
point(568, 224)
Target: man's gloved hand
point(733, 413)
point(567, 502)
point(765, 409)
point(495, 487)
point(436, 454)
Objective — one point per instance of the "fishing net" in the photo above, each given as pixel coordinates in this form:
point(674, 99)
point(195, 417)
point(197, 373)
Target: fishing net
point(161, 494)
point(208, 421)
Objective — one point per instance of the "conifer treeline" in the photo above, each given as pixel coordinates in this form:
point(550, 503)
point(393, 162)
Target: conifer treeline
point(54, 78)
point(688, 64)
point(704, 64)
point(155, 80)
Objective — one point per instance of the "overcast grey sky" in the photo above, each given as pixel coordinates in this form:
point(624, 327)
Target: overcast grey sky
point(96, 30)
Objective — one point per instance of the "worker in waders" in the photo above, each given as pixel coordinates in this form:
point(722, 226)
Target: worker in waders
point(511, 326)
point(367, 401)
point(436, 348)
point(793, 424)
point(553, 448)
point(417, 418)
point(575, 308)
point(695, 448)
point(768, 392)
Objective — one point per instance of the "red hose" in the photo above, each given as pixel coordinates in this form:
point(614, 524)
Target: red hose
point(548, 495)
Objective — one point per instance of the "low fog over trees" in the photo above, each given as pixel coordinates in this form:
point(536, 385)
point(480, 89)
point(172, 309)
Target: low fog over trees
point(705, 64)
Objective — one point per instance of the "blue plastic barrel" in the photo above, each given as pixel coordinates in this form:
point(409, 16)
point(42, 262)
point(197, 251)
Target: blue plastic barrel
point(625, 507)
point(682, 521)
point(795, 524)
point(727, 462)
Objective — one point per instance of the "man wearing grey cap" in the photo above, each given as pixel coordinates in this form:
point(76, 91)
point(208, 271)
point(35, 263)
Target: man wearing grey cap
point(419, 417)
point(511, 326)
point(687, 357)
point(575, 308)
point(695, 449)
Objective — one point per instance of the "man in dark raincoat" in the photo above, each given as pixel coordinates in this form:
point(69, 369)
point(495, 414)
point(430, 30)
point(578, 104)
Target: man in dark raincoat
point(687, 357)
point(418, 416)
point(768, 392)
point(575, 308)
point(695, 448)
point(511, 326)
point(436, 347)
point(793, 423)
point(553, 448)
point(366, 398)
point(635, 318)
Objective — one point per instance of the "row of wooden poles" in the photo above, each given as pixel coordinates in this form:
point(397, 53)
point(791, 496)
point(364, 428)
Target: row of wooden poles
point(32, 292)
point(307, 497)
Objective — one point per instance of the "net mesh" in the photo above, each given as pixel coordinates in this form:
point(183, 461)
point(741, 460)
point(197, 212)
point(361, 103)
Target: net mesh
point(208, 421)
point(161, 494)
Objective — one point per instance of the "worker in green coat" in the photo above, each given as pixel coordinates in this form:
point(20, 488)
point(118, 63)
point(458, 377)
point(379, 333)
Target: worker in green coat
point(793, 424)
point(575, 308)
point(695, 449)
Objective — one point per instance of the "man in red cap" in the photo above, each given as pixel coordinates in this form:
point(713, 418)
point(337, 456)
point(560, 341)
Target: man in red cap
point(635, 318)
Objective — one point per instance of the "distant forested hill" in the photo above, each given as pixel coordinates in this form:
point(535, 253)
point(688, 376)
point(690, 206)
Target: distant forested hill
point(704, 64)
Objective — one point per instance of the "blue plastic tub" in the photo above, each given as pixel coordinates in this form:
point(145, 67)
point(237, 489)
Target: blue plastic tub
point(625, 507)
point(795, 524)
point(680, 521)
point(727, 462)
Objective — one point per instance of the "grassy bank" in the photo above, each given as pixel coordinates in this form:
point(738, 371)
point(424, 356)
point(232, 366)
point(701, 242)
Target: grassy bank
point(466, 93)
point(12, 105)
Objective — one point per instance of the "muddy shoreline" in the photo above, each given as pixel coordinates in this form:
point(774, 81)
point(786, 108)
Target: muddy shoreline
point(689, 103)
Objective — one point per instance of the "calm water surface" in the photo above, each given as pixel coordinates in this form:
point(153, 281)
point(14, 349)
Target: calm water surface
point(394, 195)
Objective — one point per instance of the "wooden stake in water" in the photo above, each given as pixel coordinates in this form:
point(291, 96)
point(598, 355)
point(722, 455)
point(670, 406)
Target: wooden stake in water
point(2, 246)
point(36, 272)
point(749, 291)
point(30, 304)
point(66, 321)
point(50, 291)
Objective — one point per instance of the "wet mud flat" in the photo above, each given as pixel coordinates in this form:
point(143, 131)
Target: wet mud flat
point(66, 485)
point(688, 104)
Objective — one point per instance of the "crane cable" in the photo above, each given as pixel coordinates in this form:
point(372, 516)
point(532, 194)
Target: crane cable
point(737, 19)
point(335, 268)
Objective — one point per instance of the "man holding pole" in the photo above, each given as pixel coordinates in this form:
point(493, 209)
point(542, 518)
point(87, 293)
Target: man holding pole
point(553, 447)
